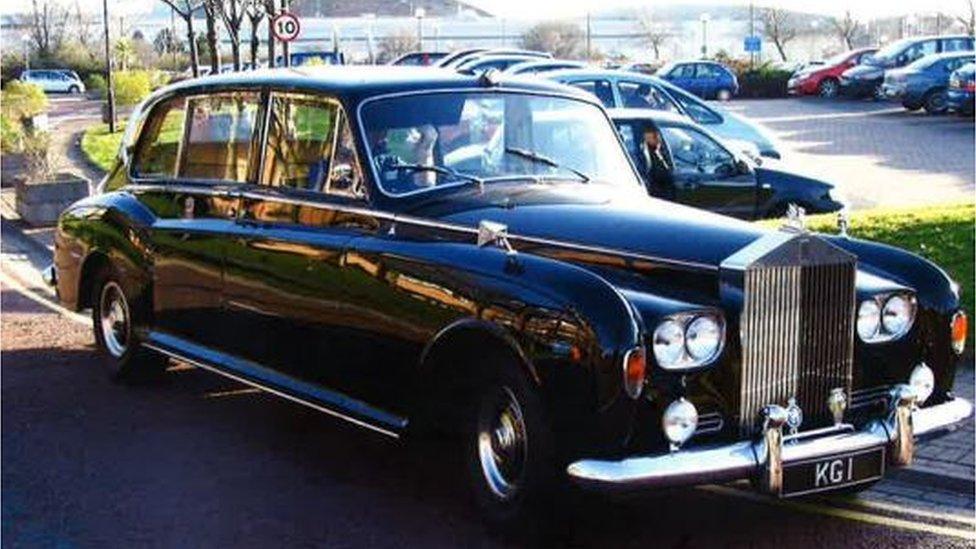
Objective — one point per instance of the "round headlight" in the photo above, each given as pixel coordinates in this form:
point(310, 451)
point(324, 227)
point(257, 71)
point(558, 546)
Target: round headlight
point(669, 342)
point(868, 319)
point(679, 421)
point(703, 338)
point(897, 315)
point(922, 381)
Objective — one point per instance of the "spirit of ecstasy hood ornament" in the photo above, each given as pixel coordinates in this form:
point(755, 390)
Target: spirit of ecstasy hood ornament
point(796, 218)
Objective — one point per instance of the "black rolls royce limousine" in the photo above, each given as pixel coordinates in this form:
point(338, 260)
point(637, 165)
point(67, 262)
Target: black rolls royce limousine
point(420, 251)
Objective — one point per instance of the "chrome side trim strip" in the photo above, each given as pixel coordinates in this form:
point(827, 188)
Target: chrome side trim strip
point(314, 406)
point(419, 221)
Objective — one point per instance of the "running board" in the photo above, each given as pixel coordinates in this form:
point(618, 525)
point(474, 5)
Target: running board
point(250, 373)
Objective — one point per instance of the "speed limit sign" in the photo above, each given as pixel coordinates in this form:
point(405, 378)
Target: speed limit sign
point(285, 27)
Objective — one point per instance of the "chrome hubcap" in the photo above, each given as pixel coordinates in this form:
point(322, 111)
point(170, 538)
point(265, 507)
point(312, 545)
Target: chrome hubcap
point(114, 319)
point(828, 88)
point(502, 443)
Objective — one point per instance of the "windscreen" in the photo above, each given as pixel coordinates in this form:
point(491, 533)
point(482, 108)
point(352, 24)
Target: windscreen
point(423, 141)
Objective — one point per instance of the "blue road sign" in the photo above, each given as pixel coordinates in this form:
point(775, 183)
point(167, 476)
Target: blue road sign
point(753, 44)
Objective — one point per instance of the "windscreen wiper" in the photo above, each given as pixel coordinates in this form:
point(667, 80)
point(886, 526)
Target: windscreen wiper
point(541, 159)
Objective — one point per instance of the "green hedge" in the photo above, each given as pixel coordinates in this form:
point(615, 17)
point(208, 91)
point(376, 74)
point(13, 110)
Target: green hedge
point(763, 82)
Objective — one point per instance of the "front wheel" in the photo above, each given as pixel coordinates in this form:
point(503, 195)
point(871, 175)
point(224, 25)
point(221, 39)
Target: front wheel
point(114, 316)
point(74, 90)
point(723, 95)
point(936, 102)
point(509, 447)
point(828, 88)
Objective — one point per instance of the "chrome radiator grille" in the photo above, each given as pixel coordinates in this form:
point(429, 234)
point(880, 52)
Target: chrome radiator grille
point(797, 329)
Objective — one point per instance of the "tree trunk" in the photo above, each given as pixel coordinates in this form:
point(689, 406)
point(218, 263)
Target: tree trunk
point(212, 41)
point(255, 42)
point(269, 7)
point(194, 54)
point(779, 48)
point(235, 52)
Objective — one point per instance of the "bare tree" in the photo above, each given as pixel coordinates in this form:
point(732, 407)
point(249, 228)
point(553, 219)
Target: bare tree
point(47, 26)
point(846, 28)
point(395, 44)
point(83, 26)
point(969, 21)
point(211, 13)
point(232, 12)
point(654, 34)
point(185, 9)
point(270, 11)
point(560, 38)
point(778, 26)
point(255, 13)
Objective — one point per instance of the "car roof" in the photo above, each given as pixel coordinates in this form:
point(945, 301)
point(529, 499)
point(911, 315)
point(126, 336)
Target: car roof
point(949, 55)
point(355, 83)
point(542, 62)
point(656, 116)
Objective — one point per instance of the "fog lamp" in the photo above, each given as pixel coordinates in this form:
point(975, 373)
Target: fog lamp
point(679, 422)
point(922, 382)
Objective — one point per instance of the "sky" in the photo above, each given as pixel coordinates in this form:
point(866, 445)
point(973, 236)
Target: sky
point(863, 9)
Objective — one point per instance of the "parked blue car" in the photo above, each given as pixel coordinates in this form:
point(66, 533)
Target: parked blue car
point(618, 89)
point(866, 79)
point(706, 79)
point(961, 97)
point(925, 82)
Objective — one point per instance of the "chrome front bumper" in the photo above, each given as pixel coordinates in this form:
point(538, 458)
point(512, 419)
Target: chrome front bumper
point(763, 460)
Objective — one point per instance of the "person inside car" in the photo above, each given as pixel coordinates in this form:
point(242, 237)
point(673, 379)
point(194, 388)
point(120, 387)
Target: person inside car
point(656, 165)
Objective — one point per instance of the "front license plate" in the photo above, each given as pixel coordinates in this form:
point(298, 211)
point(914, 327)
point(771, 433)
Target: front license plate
point(832, 473)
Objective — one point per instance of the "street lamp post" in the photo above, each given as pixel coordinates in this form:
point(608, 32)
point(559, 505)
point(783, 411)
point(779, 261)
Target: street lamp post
point(370, 18)
point(419, 13)
point(110, 92)
point(704, 21)
point(26, 40)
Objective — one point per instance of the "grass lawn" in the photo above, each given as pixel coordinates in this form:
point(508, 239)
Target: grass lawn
point(943, 234)
point(100, 146)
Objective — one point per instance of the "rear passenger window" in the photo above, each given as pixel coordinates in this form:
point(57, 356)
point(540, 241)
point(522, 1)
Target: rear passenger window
point(957, 44)
point(221, 136)
point(600, 88)
point(159, 146)
point(301, 137)
point(641, 95)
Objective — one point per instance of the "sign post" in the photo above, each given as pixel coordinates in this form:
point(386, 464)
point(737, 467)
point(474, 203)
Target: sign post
point(286, 28)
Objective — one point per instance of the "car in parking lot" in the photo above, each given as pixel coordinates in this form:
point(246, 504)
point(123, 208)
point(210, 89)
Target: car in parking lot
point(925, 82)
point(697, 169)
point(961, 97)
point(455, 59)
point(487, 61)
point(706, 79)
point(419, 58)
point(536, 66)
point(824, 79)
point(54, 80)
point(865, 80)
point(313, 233)
point(623, 89)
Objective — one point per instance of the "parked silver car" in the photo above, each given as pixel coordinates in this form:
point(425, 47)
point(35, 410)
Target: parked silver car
point(622, 89)
point(54, 80)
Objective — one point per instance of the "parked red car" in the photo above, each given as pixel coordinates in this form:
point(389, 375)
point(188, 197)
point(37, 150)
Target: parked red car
point(824, 80)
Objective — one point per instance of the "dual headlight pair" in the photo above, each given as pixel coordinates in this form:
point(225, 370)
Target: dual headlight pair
point(885, 317)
